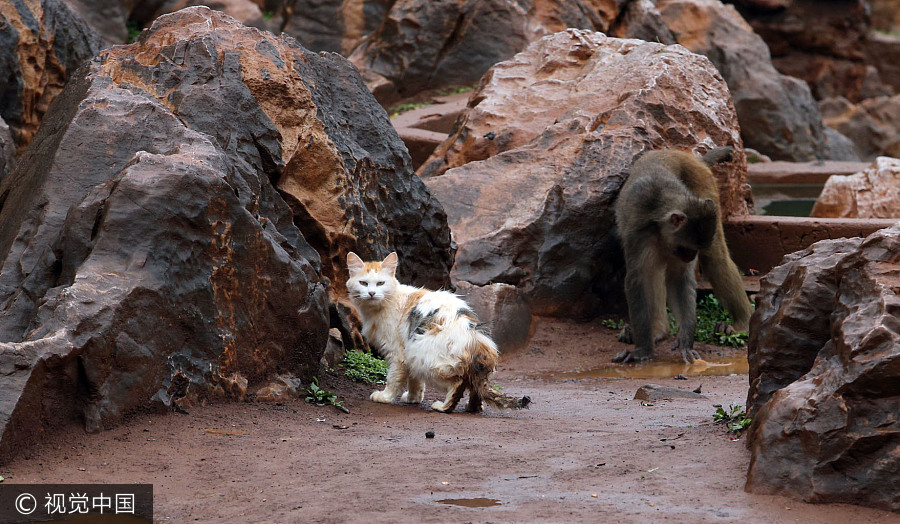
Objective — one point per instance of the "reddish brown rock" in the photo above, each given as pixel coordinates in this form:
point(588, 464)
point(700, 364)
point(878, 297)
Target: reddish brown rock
point(147, 258)
point(873, 125)
point(885, 15)
point(42, 43)
point(830, 433)
point(529, 177)
point(827, 44)
point(428, 44)
point(778, 115)
point(872, 193)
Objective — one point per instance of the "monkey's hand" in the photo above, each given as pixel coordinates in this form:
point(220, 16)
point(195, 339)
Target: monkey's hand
point(626, 356)
point(724, 327)
point(686, 345)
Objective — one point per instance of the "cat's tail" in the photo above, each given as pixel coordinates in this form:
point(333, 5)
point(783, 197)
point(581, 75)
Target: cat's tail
point(483, 357)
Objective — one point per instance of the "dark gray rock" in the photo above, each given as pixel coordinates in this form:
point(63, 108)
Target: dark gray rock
point(831, 435)
point(41, 46)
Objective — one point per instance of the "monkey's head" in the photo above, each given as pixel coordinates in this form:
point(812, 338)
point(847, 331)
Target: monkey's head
point(692, 227)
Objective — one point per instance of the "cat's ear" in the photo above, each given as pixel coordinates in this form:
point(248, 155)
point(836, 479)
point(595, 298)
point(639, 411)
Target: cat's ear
point(389, 264)
point(354, 263)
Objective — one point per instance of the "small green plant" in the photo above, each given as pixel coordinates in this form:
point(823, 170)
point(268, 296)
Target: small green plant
point(710, 313)
point(268, 15)
point(134, 30)
point(402, 108)
point(612, 323)
point(734, 418)
point(322, 397)
point(363, 366)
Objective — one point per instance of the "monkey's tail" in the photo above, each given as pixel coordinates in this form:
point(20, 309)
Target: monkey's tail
point(483, 357)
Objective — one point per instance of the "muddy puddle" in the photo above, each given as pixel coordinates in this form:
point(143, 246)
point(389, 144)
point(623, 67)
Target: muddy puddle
point(471, 503)
point(713, 366)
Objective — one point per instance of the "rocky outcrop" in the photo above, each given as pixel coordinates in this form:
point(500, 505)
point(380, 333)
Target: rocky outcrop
point(873, 125)
point(872, 193)
point(147, 256)
point(529, 177)
point(823, 43)
point(778, 114)
point(829, 433)
point(42, 43)
point(428, 44)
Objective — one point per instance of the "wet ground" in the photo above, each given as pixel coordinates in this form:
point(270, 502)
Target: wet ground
point(584, 452)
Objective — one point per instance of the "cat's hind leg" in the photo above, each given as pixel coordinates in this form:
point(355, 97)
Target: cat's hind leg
point(454, 395)
point(396, 381)
point(415, 391)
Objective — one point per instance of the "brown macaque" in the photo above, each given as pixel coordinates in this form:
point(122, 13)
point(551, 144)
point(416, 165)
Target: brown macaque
point(668, 218)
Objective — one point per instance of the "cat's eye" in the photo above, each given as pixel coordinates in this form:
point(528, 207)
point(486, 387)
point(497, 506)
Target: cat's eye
point(364, 283)
point(380, 283)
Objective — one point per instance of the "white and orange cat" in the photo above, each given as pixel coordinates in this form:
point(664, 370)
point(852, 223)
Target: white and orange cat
point(427, 337)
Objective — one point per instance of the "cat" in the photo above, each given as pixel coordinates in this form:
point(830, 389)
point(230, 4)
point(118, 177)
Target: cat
point(427, 337)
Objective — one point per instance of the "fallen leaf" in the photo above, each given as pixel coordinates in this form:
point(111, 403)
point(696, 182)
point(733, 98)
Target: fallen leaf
point(445, 483)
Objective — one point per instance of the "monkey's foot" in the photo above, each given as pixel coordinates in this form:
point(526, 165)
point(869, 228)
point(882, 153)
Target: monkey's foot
point(626, 356)
point(381, 396)
point(626, 336)
point(725, 327)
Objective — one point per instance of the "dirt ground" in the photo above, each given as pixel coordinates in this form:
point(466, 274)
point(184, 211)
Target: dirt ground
point(585, 451)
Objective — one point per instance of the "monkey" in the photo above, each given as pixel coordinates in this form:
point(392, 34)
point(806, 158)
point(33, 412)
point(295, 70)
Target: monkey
point(668, 218)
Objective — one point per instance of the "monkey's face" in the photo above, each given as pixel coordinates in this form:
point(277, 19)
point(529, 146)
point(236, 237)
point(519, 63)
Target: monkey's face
point(694, 229)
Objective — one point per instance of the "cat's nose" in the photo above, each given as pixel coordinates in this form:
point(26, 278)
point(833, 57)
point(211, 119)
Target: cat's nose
point(371, 293)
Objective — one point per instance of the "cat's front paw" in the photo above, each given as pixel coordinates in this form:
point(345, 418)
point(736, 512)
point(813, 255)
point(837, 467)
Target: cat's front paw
point(381, 396)
point(414, 399)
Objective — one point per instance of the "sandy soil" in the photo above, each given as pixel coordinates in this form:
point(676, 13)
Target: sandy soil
point(584, 452)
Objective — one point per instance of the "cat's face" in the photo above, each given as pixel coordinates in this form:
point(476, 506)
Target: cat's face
point(371, 282)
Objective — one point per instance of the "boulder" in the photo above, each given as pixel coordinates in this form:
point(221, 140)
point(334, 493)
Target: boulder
point(832, 434)
point(7, 151)
point(330, 25)
point(505, 311)
point(778, 114)
point(823, 43)
point(873, 125)
point(246, 12)
point(530, 175)
point(430, 44)
point(41, 46)
point(147, 257)
point(872, 193)
point(791, 322)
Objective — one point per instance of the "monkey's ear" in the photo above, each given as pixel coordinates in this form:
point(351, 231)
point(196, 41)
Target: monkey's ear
point(354, 263)
point(677, 219)
point(389, 264)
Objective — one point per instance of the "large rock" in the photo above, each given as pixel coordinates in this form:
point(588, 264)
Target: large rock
point(823, 43)
point(873, 125)
point(428, 44)
point(529, 178)
point(872, 193)
point(791, 322)
point(778, 114)
point(148, 258)
point(832, 435)
point(42, 43)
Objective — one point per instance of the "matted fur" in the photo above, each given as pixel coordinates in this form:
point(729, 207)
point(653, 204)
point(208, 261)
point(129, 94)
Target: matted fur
point(428, 337)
